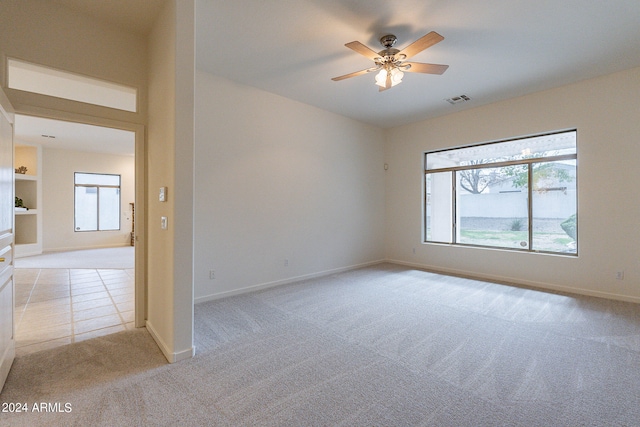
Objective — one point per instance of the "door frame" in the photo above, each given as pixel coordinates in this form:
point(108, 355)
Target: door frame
point(7, 240)
point(140, 190)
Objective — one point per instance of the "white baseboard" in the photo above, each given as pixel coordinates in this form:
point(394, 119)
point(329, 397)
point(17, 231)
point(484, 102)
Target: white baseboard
point(27, 249)
point(172, 357)
point(517, 281)
point(83, 248)
point(260, 286)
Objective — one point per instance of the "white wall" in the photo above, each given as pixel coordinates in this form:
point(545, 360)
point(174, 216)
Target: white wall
point(58, 168)
point(607, 116)
point(275, 180)
point(49, 34)
point(170, 164)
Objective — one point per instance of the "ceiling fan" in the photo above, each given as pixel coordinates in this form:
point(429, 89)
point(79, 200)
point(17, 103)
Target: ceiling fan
point(391, 62)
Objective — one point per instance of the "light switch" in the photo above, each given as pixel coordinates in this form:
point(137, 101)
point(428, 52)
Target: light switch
point(162, 195)
point(164, 222)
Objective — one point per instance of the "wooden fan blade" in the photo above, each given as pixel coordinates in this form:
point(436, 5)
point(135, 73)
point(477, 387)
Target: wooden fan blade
point(419, 67)
point(362, 50)
point(421, 44)
point(357, 73)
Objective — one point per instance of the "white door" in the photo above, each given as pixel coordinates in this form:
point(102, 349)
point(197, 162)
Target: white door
point(7, 341)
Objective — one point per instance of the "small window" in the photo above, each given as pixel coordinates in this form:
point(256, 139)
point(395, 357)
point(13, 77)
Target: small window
point(518, 194)
point(61, 84)
point(97, 202)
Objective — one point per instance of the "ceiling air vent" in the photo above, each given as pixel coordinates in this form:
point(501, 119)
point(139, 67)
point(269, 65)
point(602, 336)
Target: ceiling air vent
point(458, 99)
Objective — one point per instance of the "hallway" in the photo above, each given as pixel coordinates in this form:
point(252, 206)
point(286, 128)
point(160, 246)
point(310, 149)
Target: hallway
point(58, 306)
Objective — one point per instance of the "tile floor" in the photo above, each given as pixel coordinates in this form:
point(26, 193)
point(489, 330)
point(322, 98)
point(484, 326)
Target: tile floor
point(59, 306)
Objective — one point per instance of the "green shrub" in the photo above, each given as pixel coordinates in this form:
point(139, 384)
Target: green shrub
point(570, 226)
point(516, 224)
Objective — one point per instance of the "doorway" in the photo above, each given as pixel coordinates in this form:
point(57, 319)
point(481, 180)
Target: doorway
point(74, 284)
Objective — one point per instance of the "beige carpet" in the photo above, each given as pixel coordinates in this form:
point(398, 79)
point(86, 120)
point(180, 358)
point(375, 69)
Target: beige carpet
point(383, 346)
point(120, 257)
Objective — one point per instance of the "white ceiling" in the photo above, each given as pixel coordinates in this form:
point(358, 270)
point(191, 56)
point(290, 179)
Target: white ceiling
point(73, 136)
point(496, 49)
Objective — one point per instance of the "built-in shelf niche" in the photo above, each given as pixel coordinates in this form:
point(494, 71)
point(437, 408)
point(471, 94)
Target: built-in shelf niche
point(28, 187)
point(27, 156)
point(26, 229)
point(27, 190)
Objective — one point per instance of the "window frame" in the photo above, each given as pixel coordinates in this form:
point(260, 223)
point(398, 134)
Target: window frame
point(529, 162)
point(97, 186)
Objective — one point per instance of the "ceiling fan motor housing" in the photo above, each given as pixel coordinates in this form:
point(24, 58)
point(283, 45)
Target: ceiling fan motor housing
point(388, 41)
point(388, 54)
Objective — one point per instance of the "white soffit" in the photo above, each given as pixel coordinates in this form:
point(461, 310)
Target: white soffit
point(60, 84)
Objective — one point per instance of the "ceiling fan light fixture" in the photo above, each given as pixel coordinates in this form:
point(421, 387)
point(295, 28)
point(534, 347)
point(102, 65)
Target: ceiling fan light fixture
point(381, 78)
point(396, 77)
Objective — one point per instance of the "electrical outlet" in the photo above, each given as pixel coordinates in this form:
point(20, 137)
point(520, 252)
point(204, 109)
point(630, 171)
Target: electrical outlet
point(620, 275)
point(414, 251)
point(212, 274)
point(286, 262)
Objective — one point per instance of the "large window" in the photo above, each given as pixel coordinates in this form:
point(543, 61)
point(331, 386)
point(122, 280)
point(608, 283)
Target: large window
point(518, 194)
point(97, 202)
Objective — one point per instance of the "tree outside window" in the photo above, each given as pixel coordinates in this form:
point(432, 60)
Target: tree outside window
point(518, 194)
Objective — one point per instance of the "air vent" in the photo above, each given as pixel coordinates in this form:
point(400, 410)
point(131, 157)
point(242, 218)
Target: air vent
point(458, 99)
